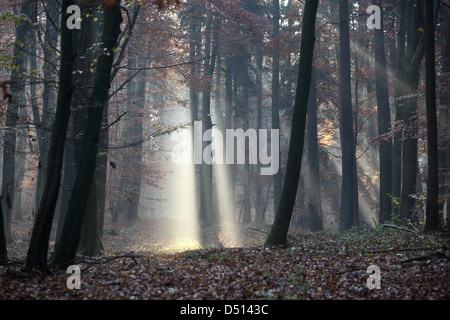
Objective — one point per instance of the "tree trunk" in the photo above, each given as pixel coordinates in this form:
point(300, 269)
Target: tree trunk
point(37, 251)
point(432, 210)
point(259, 109)
point(68, 177)
point(48, 95)
point(414, 54)
point(280, 227)
point(193, 91)
point(66, 246)
point(133, 208)
point(246, 217)
point(346, 122)
point(278, 177)
point(3, 248)
point(444, 125)
point(206, 188)
point(17, 89)
point(90, 241)
point(397, 147)
point(125, 203)
point(384, 122)
point(315, 205)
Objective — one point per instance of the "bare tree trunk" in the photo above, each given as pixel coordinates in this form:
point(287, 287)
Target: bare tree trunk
point(17, 101)
point(278, 177)
point(206, 188)
point(384, 120)
point(37, 251)
point(315, 205)
point(414, 54)
point(67, 244)
point(397, 148)
point(347, 211)
point(48, 95)
point(280, 227)
point(432, 209)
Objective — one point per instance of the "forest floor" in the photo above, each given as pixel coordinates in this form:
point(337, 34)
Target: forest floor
point(141, 263)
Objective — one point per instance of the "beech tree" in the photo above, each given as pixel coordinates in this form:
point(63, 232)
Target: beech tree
point(432, 209)
point(67, 244)
point(38, 248)
point(315, 203)
point(280, 227)
point(349, 205)
point(17, 88)
point(384, 120)
point(413, 55)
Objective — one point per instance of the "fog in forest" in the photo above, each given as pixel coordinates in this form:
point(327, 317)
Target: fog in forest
point(229, 142)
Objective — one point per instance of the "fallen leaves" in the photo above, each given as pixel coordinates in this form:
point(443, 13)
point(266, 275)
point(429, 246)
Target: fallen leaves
point(316, 266)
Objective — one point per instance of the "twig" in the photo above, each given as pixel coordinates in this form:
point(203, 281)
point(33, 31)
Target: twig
point(402, 249)
point(409, 221)
point(11, 261)
point(99, 261)
point(112, 123)
point(438, 254)
point(396, 227)
point(374, 221)
point(352, 268)
point(258, 230)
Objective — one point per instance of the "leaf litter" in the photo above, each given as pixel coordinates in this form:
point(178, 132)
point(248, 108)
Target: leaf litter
point(138, 263)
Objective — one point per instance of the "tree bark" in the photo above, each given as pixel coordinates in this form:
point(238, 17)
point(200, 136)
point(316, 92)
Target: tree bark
point(206, 187)
point(432, 210)
point(67, 244)
point(37, 251)
point(347, 211)
point(315, 205)
point(397, 147)
point(414, 54)
point(384, 123)
point(3, 247)
point(278, 177)
point(48, 96)
point(17, 101)
point(280, 227)
point(259, 109)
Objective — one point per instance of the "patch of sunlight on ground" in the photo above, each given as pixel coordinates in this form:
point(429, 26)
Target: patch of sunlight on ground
point(179, 244)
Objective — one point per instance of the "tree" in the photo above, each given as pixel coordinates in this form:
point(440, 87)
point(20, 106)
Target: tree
point(18, 93)
point(384, 120)
point(413, 56)
point(280, 227)
point(3, 248)
point(432, 210)
point(315, 206)
point(48, 95)
point(67, 244)
point(348, 212)
point(278, 177)
point(86, 52)
point(400, 78)
point(38, 248)
point(206, 176)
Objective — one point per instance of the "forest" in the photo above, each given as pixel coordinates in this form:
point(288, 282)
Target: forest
point(234, 150)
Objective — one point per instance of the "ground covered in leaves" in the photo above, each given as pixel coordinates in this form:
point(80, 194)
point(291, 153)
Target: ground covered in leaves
point(139, 263)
